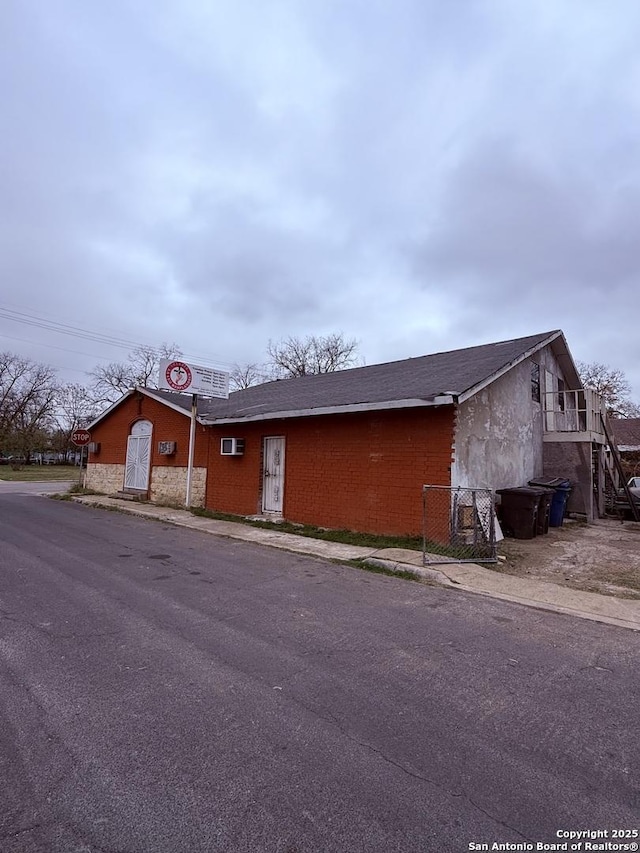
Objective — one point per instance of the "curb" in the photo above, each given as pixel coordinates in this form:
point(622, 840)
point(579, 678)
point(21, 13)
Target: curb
point(439, 578)
point(429, 575)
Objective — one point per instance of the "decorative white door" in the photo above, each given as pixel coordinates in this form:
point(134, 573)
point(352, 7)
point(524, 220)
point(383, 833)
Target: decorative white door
point(273, 475)
point(136, 474)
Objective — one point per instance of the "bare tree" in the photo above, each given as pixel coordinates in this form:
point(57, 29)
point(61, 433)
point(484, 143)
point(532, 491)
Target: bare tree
point(314, 354)
point(75, 408)
point(612, 385)
point(111, 381)
point(27, 403)
point(246, 375)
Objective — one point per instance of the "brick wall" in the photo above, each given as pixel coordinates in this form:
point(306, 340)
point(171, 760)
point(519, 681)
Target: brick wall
point(168, 473)
point(233, 482)
point(362, 472)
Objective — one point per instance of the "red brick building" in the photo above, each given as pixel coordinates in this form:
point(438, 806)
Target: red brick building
point(350, 449)
point(140, 445)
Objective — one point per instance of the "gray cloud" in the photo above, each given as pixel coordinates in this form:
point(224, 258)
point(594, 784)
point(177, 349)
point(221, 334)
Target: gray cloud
point(503, 220)
point(421, 175)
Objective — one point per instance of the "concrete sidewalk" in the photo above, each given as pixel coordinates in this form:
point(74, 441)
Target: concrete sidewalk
point(469, 577)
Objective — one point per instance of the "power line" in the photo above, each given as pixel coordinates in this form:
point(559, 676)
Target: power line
point(63, 328)
point(70, 330)
point(54, 346)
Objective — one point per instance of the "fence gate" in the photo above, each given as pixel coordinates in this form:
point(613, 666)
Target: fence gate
point(458, 525)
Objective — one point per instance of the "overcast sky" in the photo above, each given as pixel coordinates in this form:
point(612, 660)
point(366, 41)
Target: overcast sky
point(418, 175)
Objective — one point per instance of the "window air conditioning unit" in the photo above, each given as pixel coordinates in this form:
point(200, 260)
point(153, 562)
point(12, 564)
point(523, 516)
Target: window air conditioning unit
point(166, 448)
point(231, 446)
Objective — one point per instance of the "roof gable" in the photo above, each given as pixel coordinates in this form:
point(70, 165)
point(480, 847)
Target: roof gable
point(173, 401)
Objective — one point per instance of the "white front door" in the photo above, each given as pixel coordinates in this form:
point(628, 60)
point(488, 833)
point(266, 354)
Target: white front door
point(136, 473)
point(273, 475)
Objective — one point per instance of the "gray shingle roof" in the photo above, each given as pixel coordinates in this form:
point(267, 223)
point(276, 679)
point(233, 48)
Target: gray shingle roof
point(626, 431)
point(422, 378)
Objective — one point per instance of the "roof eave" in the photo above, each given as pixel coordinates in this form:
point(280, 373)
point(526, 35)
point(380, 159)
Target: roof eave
point(168, 403)
point(568, 365)
point(413, 403)
point(522, 357)
point(141, 390)
point(111, 408)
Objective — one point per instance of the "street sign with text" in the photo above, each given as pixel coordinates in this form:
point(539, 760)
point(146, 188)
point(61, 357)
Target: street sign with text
point(176, 375)
point(80, 437)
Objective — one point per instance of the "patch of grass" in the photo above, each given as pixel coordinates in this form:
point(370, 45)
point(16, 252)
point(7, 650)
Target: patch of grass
point(38, 473)
point(610, 589)
point(106, 507)
point(76, 489)
point(346, 537)
point(627, 578)
point(459, 552)
point(383, 570)
point(504, 567)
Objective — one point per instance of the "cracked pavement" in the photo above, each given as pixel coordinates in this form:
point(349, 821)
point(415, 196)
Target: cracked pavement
point(166, 691)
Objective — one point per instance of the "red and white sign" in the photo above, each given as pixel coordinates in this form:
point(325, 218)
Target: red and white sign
point(192, 379)
point(178, 375)
point(80, 437)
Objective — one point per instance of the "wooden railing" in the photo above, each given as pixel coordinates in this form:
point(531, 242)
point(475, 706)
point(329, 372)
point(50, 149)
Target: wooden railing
point(573, 411)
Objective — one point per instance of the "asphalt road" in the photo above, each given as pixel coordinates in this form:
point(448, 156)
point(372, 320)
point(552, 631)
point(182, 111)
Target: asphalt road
point(36, 487)
point(166, 691)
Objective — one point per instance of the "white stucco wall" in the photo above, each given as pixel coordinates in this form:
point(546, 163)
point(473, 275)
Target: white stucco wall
point(499, 431)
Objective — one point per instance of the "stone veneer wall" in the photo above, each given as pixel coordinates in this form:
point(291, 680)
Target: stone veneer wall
point(170, 484)
point(104, 478)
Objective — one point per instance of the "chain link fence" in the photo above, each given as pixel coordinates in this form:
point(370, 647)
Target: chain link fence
point(458, 525)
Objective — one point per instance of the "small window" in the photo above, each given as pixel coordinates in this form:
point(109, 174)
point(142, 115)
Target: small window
point(535, 382)
point(561, 394)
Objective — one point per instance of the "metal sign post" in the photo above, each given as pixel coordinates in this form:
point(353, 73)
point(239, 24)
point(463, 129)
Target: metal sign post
point(192, 445)
point(80, 437)
point(175, 375)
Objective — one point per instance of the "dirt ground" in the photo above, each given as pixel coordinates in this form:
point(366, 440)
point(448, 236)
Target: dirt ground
point(601, 557)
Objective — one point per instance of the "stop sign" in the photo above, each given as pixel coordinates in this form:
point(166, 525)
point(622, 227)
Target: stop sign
point(80, 437)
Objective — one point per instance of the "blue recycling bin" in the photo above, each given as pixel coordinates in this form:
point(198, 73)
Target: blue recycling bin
point(561, 489)
point(559, 504)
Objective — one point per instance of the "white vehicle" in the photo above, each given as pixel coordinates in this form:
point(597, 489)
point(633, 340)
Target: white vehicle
point(622, 502)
